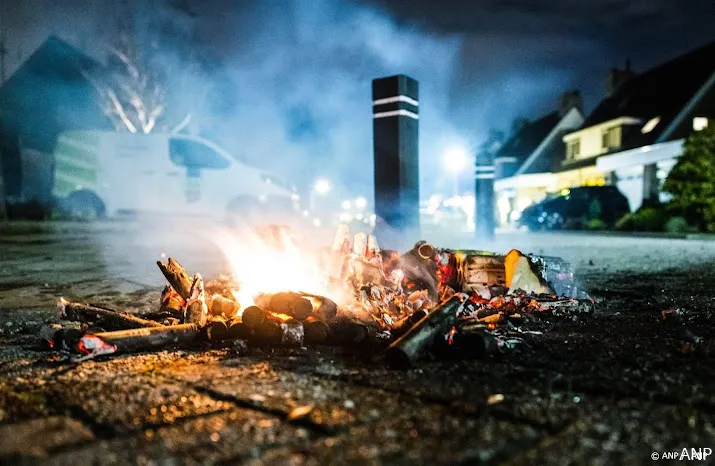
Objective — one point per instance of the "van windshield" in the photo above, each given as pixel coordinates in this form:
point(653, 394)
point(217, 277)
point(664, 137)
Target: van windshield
point(194, 154)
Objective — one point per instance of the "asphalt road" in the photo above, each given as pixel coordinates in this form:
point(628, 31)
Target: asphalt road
point(606, 388)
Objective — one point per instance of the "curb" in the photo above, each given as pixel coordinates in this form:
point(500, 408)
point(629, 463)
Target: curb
point(631, 234)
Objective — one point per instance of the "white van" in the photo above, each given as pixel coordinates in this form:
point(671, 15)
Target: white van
point(103, 173)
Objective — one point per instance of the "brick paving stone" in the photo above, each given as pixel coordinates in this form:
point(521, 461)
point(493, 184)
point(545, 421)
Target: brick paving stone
point(233, 437)
point(626, 432)
point(127, 393)
point(254, 382)
point(38, 437)
point(430, 435)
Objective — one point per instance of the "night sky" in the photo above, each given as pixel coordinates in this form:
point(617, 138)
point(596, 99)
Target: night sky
point(558, 42)
point(295, 74)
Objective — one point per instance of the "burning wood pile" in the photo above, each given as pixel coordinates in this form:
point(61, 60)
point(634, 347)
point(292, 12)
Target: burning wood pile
point(426, 300)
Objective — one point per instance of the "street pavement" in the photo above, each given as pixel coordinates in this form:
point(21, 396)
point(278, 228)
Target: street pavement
point(610, 387)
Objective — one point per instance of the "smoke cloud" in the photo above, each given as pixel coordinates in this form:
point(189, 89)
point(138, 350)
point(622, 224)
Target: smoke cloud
point(299, 74)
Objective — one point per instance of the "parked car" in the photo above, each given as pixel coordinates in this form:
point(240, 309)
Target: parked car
point(102, 173)
point(573, 208)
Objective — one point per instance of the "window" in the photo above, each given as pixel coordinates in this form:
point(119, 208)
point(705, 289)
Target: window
point(573, 149)
point(270, 179)
point(700, 123)
point(652, 123)
point(611, 138)
point(194, 154)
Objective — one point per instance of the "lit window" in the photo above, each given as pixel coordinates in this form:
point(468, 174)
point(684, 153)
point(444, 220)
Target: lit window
point(573, 148)
point(652, 123)
point(700, 123)
point(611, 138)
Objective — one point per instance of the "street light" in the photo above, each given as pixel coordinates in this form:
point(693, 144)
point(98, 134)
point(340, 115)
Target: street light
point(361, 203)
point(321, 187)
point(456, 159)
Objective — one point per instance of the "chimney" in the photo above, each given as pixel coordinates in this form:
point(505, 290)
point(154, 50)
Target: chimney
point(569, 100)
point(617, 77)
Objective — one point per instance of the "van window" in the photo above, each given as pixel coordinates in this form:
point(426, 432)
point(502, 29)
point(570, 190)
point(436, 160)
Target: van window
point(193, 154)
point(270, 179)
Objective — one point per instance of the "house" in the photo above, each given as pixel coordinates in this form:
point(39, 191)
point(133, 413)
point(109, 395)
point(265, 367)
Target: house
point(635, 135)
point(525, 163)
point(47, 95)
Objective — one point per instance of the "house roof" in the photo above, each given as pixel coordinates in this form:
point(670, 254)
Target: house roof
point(53, 59)
point(663, 91)
point(49, 93)
point(528, 138)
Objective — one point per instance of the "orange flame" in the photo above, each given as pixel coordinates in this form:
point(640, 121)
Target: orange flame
point(271, 265)
point(281, 317)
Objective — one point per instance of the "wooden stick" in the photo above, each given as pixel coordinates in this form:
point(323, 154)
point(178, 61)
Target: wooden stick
point(316, 331)
point(196, 310)
point(216, 328)
point(406, 323)
point(103, 317)
point(177, 277)
point(290, 303)
point(409, 347)
point(143, 338)
point(253, 316)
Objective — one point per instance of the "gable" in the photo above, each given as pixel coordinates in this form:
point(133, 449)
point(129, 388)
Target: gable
point(660, 92)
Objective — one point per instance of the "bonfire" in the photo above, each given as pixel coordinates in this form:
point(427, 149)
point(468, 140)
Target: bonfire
point(406, 304)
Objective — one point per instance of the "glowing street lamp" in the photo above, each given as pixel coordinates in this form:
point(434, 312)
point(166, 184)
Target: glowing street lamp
point(361, 203)
point(346, 205)
point(456, 159)
point(321, 187)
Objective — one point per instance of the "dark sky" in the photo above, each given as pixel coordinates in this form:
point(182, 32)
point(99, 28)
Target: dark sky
point(297, 72)
point(571, 43)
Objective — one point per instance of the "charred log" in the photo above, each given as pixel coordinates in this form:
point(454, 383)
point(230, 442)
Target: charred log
point(216, 328)
point(290, 303)
point(177, 277)
point(407, 349)
point(103, 317)
point(237, 330)
point(196, 311)
point(316, 330)
point(223, 306)
point(292, 333)
point(406, 323)
point(253, 316)
point(137, 339)
point(171, 301)
point(348, 331)
point(467, 343)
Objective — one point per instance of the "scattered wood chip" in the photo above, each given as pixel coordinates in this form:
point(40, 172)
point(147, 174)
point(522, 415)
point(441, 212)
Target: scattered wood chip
point(257, 398)
point(300, 412)
point(495, 399)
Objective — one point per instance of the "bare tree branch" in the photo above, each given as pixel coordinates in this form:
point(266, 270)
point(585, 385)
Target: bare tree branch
point(120, 111)
point(132, 90)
